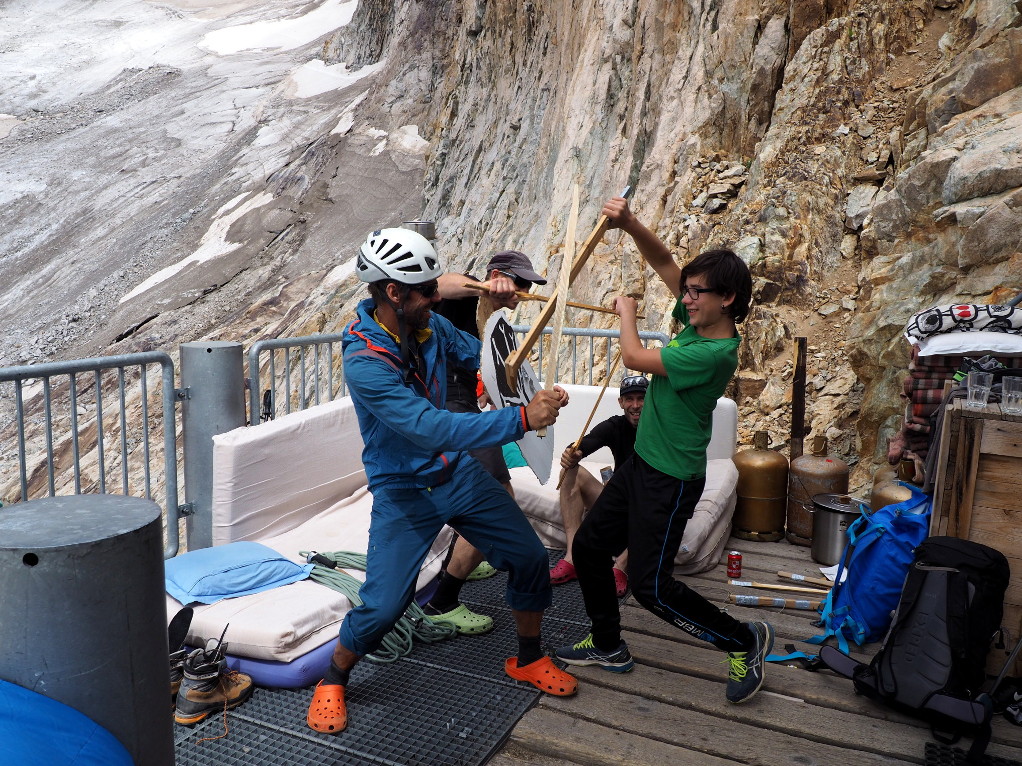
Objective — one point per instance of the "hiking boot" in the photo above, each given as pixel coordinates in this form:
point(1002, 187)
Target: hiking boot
point(177, 631)
point(177, 674)
point(586, 653)
point(209, 686)
point(745, 672)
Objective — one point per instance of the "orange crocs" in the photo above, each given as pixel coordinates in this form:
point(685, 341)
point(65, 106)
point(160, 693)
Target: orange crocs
point(327, 712)
point(544, 675)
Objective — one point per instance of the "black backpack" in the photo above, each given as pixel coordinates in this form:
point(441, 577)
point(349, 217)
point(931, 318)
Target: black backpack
point(933, 660)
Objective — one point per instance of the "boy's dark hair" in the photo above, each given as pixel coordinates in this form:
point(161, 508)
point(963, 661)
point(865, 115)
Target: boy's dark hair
point(725, 274)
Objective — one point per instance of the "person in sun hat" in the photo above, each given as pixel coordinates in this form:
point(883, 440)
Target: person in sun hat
point(396, 354)
point(580, 489)
point(648, 501)
point(507, 272)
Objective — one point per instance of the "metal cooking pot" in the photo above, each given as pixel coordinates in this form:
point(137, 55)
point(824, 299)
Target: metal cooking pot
point(832, 515)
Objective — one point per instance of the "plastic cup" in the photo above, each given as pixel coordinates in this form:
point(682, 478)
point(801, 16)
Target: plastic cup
point(1011, 395)
point(978, 386)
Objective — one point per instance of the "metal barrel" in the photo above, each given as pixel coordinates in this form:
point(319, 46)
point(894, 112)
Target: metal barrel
point(83, 613)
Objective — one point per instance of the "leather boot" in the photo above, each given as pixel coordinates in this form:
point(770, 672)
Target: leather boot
point(209, 686)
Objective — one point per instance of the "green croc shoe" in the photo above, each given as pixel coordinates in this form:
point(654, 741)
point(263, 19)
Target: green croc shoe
point(481, 572)
point(465, 620)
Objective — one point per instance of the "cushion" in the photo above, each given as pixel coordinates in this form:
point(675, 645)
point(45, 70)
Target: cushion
point(705, 535)
point(285, 623)
point(269, 478)
point(209, 575)
point(974, 343)
point(37, 729)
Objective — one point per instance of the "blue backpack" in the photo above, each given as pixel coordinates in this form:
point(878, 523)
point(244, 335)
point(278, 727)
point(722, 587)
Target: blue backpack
point(877, 559)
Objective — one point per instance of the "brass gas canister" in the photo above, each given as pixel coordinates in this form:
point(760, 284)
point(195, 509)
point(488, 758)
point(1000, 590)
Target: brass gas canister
point(762, 492)
point(888, 493)
point(810, 475)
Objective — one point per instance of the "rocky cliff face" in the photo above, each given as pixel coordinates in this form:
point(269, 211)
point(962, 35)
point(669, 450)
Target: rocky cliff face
point(863, 156)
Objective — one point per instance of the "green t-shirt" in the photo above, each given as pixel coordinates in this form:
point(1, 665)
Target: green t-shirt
point(676, 419)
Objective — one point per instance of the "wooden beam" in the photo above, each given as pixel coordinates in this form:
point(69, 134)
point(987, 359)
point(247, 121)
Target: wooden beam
point(516, 358)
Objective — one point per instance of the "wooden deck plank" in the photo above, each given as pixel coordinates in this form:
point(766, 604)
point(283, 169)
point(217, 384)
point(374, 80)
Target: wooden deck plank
point(672, 709)
point(693, 713)
point(564, 735)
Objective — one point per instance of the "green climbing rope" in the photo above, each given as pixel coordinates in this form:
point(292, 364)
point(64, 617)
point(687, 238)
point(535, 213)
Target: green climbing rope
point(415, 624)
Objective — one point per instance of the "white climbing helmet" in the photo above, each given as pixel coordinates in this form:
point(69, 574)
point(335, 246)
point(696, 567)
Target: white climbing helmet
point(399, 254)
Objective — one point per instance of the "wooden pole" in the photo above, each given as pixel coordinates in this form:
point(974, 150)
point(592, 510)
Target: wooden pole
point(524, 296)
point(561, 299)
point(589, 420)
point(515, 359)
point(786, 603)
point(798, 401)
point(771, 586)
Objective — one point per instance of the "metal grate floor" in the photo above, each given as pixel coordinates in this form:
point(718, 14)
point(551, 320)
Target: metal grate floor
point(447, 704)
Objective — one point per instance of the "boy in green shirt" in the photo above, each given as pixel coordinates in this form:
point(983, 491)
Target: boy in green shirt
point(650, 499)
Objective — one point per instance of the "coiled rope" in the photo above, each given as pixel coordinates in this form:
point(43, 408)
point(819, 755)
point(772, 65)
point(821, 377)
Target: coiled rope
point(413, 625)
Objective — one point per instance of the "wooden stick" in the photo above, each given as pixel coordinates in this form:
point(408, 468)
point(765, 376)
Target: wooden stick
point(560, 302)
point(517, 357)
point(786, 603)
point(589, 420)
point(806, 578)
point(771, 586)
point(524, 296)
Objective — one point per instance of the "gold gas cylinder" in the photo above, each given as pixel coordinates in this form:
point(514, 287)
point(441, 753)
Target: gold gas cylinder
point(888, 493)
point(762, 491)
point(886, 472)
point(810, 475)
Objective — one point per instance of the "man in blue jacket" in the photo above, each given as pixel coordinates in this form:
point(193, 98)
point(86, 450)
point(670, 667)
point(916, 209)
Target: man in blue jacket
point(395, 360)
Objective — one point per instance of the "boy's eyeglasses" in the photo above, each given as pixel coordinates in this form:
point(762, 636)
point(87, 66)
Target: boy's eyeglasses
point(426, 289)
point(695, 292)
point(521, 284)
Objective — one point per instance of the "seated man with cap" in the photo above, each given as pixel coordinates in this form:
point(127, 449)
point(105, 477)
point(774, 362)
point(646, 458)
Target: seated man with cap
point(579, 488)
point(468, 309)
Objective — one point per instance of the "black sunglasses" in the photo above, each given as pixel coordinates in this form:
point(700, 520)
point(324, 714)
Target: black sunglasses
point(426, 289)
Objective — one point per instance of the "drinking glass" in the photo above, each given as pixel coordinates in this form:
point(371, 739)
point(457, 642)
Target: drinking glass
point(1011, 395)
point(979, 388)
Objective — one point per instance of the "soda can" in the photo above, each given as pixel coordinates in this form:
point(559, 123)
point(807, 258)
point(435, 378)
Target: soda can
point(734, 564)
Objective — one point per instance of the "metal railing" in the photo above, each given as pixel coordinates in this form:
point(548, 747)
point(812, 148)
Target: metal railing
point(294, 356)
point(65, 402)
point(306, 382)
point(97, 435)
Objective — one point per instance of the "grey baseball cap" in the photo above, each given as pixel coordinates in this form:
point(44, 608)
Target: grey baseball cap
point(517, 263)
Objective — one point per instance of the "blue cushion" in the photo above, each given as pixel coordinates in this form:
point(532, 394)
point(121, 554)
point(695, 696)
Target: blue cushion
point(208, 575)
point(37, 729)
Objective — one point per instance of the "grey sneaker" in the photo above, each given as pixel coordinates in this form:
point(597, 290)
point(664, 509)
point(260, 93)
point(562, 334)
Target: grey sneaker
point(745, 672)
point(586, 653)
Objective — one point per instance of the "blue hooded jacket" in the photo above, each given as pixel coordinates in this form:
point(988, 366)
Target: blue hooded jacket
point(410, 439)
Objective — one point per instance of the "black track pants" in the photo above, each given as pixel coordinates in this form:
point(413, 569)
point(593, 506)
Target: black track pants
point(645, 511)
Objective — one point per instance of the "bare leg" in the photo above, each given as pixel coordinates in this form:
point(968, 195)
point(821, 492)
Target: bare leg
point(621, 562)
point(571, 506)
point(344, 658)
point(578, 493)
point(464, 558)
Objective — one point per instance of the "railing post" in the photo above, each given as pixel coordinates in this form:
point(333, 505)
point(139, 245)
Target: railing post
point(213, 394)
